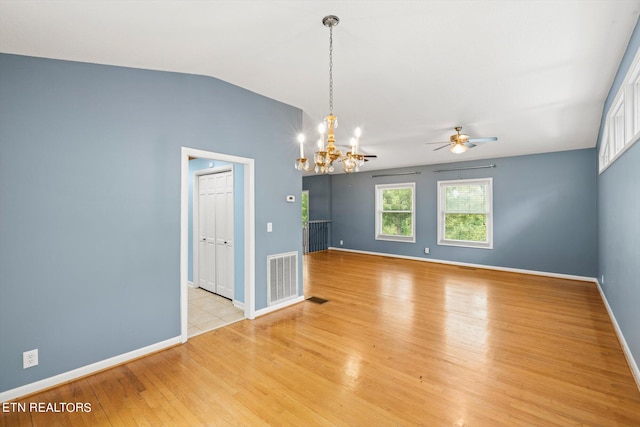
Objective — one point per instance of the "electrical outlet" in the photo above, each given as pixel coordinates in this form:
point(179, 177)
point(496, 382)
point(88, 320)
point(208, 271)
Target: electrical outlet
point(29, 358)
point(341, 243)
point(426, 250)
point(602, 281)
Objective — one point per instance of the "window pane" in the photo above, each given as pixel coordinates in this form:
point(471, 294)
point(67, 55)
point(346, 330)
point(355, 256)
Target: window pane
point(470, 227)
point(396, 224)
point(466, 198)
point(618, 128)
point(397, 199)
point(636, 109)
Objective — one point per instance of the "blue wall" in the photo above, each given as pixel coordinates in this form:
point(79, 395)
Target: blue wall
point(545, 212)
point(90, 202)
point(319, 187)
point(619, 225)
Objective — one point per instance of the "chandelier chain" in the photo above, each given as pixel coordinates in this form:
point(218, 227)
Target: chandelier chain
point(331, 70)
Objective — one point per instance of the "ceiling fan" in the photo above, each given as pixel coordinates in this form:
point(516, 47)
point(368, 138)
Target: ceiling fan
point(460, 142)
point(366, 156)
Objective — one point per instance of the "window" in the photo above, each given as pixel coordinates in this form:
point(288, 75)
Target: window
point(604, 155)
point(617, 136)
point(634, 108)
point(635, 96)
point(465, 216)
point(395, 212)
point(622, 123)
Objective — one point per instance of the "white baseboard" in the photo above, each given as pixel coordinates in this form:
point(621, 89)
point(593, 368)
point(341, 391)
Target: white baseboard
point(466, 264)
point(272, 308)
point(238, 304)
point(623, 342)
point(64, 377)
point(625, 348)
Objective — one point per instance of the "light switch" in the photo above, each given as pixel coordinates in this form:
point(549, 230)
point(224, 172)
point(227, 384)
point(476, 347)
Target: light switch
point(269, 227)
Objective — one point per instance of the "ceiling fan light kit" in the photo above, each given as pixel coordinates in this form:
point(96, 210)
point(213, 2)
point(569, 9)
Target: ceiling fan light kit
point(460, 142)
point(324, 158)
point(458, 148)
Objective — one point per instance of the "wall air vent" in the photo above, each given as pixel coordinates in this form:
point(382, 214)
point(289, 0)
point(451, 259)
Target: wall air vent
point(282, 274)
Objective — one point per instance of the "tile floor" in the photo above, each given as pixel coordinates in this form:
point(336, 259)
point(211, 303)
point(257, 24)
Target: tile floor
point(209, 311)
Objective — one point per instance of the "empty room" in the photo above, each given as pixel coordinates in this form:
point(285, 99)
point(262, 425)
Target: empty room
point(260, 212)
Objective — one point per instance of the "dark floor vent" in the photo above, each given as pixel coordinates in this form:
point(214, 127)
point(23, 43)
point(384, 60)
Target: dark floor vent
point(317, 300)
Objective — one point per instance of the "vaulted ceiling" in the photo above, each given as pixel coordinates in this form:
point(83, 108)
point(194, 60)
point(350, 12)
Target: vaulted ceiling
point(533, 73)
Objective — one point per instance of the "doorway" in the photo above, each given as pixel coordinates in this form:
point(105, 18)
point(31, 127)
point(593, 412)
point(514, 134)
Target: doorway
point(305, 221)
point(305, 206)
point(248, 224)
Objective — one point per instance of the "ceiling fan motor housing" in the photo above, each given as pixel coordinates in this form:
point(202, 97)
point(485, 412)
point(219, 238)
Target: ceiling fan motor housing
point(459, 138)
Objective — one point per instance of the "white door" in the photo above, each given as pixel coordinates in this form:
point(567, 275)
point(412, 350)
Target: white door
point(224, 234)
point(215, 233)
point(206, 233)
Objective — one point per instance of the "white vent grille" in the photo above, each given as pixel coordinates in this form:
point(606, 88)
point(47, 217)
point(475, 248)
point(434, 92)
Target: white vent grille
point(282, 273)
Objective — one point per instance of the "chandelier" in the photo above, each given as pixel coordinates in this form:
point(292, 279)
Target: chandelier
point(324, 158)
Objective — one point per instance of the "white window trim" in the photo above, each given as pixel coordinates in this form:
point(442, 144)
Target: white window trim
point(441, 213)
point(378, 206)
point(627, 99)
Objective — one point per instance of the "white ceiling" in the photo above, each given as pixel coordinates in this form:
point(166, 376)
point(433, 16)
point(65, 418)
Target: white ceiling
point(533, 73)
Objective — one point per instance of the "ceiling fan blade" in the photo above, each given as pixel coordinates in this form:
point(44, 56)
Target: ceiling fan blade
point(487, 139)
point(470, 145)
point(440, 148)
point(348, 148)
point(374, 156)
point(439, 142)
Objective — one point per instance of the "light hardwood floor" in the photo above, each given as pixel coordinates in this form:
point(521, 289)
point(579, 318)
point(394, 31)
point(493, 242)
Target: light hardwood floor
point(398, 343)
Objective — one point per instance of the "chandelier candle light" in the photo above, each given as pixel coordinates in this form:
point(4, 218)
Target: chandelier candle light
point(323, 158)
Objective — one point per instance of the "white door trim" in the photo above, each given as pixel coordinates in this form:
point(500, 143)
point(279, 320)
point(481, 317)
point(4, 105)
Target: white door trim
point(249, 230)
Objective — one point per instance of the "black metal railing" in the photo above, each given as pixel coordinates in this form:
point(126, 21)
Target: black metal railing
point(315, 236)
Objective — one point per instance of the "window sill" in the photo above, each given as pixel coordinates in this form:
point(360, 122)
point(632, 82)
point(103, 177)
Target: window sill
point(411, 239)
point(466, 244)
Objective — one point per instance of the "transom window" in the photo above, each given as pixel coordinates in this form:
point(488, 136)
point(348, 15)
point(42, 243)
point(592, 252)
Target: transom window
point(622, 123)
point(395, 212)
point(465, 213)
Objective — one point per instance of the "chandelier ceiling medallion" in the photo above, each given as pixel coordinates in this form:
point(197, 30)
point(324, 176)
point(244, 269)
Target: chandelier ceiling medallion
point(323, 158)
